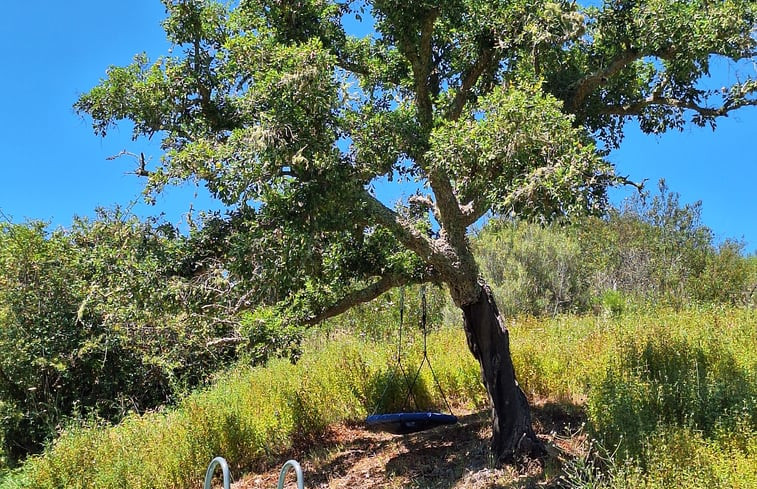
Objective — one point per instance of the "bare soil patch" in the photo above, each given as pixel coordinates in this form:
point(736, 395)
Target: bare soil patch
point(448, 457)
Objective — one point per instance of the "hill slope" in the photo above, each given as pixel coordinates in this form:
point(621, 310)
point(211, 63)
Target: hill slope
point(350, 456)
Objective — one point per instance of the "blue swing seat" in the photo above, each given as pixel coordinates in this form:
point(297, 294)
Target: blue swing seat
point(404, 423)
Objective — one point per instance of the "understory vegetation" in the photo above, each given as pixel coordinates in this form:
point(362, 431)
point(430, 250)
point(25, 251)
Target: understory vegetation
point(671, 398)
point(131, 354)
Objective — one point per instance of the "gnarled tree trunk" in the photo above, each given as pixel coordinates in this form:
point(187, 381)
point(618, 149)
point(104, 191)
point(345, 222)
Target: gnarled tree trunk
point(488, 340)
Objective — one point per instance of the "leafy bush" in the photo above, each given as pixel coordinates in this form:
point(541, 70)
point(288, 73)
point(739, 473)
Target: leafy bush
point(653, 250)
point(673, 457)
point(265, 335)
point(612, 303)
point(98, 321)
point(724, 278)
point(250, 416)
point(672, 378)
point(657, 249)
point(40, 340)
point(534, 269)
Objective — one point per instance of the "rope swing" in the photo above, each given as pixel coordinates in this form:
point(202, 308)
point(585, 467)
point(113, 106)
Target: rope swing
point(405, 422)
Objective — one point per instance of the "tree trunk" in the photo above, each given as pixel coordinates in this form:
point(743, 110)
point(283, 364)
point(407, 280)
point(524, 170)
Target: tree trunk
point(488, 340)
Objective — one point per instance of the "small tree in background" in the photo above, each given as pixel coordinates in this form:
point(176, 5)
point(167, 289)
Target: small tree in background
point(489, 107)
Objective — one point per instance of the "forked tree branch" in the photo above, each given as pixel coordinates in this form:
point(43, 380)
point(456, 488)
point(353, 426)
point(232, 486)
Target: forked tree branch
point(420, 55)
point(452, 221)
point(425, 202)
point(474, 210)
point(402, 229)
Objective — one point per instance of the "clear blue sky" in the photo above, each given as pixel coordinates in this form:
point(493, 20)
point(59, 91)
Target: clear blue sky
point(53, 167)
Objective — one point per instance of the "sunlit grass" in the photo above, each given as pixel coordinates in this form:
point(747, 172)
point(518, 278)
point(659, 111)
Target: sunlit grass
point(676, 390)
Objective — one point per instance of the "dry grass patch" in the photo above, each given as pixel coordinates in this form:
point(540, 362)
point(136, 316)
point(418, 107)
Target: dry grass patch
point(450, 457)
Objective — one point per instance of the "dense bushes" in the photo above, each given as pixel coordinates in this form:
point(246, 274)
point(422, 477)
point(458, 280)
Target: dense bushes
point(701, 377)
point(535, 270)
point(654, 250)
point(98, 321)
point(115, 315)
point(39, 358)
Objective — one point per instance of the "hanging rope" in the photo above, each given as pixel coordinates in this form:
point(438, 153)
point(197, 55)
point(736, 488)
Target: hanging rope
point(400, 367)
point(425, 359)
point(410, 385)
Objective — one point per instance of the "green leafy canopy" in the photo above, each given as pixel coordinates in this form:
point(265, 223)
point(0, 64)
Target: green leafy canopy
point(504, 107)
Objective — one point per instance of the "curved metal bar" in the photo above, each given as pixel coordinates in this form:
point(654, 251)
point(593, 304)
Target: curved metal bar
point(224, 470)
point(291, 464)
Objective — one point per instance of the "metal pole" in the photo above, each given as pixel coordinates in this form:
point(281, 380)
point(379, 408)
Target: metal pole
point(291, 464)
point(224, 470)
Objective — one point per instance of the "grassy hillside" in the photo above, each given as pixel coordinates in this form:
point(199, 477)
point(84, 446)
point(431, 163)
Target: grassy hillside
point(672, 396)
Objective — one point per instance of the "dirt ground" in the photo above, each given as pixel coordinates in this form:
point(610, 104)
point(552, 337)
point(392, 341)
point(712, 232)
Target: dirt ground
point(457, 456)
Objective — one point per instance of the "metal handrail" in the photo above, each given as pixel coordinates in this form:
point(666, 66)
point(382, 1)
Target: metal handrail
point(224, 470)
point(291, 464)
point(220, 461)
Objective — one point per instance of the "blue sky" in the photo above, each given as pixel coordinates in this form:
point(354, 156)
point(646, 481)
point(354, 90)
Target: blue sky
point(53, 167)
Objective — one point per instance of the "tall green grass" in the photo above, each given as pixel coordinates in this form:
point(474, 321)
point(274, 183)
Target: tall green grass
point(674, 457)
point(249, 416)
point(689, 370)
point(671, 389)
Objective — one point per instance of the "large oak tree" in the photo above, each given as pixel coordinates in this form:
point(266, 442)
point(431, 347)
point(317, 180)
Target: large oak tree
point(483, 107)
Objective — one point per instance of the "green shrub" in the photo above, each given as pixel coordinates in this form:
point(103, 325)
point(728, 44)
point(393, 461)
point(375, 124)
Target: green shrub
point(672, 378)
point(100, 320)
point(265, 336)
point(725, 277)
point(672, 457)
point(250, 416)
point(657, 248)
point(534, 269)
point(612, 303)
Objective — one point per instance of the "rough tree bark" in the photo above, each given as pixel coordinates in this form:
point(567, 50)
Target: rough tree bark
point(488, 340)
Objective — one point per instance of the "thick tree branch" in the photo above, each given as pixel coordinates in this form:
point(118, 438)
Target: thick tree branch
point(474, 210)
point(224, 342)
point(400, 228)
point(452, 222)
point(444, 254)
point(422, 70)
point(583, 87)
point(351, 66)
point(420, 57)
point(469, 79)
point(360, 296)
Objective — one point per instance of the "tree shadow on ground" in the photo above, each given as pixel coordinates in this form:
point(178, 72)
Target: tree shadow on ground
point(446, 457)
point(458, 456)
